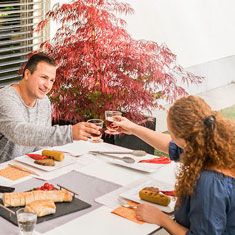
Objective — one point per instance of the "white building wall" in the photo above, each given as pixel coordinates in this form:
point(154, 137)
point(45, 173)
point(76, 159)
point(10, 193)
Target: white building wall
point(197, 31)
point(200, 32)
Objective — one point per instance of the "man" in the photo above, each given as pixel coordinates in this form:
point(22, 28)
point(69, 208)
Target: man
point(25, 113)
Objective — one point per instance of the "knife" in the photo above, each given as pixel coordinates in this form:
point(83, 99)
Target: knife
point(6, 189)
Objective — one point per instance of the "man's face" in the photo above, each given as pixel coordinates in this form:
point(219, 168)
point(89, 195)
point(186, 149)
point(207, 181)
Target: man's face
point(40, 82)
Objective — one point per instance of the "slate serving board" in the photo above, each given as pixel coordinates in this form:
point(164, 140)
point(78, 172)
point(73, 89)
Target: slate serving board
point(62, 208)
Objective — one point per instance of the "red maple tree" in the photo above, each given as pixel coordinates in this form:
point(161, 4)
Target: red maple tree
point(102, 68)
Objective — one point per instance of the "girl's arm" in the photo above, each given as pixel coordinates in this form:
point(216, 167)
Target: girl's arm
point(153, 215)
point(156, 139)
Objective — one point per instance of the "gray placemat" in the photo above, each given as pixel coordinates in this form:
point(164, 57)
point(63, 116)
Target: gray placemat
point(87, 187)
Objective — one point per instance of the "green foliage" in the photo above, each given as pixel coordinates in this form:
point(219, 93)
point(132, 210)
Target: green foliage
point(229, 112)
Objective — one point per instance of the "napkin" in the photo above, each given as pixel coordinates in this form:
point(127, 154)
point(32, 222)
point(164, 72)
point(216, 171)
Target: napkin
point(157, 160)
point(128, 213)
point(13, 173)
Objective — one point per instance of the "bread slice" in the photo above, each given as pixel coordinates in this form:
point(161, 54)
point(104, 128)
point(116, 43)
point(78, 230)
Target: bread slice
point(151, 194)
point(41, 207)
point(20, 199)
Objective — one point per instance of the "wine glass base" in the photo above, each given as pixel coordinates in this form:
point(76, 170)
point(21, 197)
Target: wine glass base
point(96, 141)
point(112, 132)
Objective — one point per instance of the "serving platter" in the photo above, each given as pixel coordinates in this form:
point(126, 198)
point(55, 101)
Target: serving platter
point(144, 167)
point(29, 161)
point(133, 194)
point(62, 208)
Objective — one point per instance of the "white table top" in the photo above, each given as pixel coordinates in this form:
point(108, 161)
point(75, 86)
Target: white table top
point(101, 220)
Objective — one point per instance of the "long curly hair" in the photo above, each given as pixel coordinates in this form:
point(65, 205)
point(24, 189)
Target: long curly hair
point(209, 141)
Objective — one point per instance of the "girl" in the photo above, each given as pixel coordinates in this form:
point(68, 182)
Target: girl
point(205, 186)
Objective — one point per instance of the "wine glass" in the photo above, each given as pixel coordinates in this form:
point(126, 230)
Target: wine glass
point(98, 122)
point(109, 119)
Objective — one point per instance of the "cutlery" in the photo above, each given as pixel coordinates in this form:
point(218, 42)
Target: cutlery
point(69, 153)
point(125, 204)
point(23, 168)
point(62, 187)
point(137, 153)
point(6, 189)
point(125, 159)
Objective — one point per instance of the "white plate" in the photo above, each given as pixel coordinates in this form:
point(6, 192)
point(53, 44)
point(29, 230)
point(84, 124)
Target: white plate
point(29, 161)
point(133, 194)
point(145, 167)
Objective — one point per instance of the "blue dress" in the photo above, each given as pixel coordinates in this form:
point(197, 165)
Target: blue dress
point(174, 151)
point(211, 209)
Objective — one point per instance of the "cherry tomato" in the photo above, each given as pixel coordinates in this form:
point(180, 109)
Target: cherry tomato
point(48, 186)
point(51, 187)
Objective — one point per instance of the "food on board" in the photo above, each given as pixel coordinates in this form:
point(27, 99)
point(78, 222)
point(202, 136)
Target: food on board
point(41, 207)
point(54, 154)
point(45, 162)
point(22, 198)
point(46, 187)
point(157, 160)
point(36, 156)
point(152, 194)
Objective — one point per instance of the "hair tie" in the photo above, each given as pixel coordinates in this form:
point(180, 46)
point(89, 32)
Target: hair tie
point(210, 122)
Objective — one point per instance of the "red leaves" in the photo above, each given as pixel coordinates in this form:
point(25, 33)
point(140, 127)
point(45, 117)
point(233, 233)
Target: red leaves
point(41, 25)
point(102, 67)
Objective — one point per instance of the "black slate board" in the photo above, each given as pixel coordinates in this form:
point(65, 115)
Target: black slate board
point(62, 208)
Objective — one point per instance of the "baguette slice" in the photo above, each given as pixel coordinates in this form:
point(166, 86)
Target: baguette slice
point(23, 198)
point(41, 207)
point(151, 194)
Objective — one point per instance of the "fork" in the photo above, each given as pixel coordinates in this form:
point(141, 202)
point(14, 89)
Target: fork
point(71, 154)
point(125, 204)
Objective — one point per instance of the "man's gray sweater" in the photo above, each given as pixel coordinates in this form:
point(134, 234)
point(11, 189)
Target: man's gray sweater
point(25, 129)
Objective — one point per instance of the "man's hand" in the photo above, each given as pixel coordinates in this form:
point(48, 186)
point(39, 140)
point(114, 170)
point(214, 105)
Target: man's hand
point(83, 130)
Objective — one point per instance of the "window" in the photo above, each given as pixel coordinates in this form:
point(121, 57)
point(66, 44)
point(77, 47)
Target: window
point(17, 39)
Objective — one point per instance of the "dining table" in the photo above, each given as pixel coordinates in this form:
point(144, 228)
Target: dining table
point(98, 180)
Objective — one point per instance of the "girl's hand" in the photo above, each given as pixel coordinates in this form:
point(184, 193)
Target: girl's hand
point(149, 214)
point(125, 125)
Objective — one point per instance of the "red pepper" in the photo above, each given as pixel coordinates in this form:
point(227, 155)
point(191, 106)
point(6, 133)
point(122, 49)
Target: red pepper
point(36, 156)
point(157, 160)
point(168, 193)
